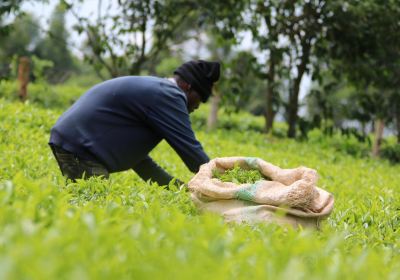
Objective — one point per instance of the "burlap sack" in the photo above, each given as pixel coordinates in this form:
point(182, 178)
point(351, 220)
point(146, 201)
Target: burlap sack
point(292, 196)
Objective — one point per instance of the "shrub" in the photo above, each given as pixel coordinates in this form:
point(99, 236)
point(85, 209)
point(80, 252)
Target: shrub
point(43, 94)
point(349, 144)
point(391, 153)
point(8, 89)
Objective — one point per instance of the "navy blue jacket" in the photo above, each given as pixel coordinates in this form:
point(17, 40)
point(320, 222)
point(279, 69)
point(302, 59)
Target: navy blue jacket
point(118, 122)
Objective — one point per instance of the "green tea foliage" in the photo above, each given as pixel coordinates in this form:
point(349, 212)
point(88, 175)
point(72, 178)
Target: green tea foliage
point(42, 94)
point(124, 228)
point(239, 175)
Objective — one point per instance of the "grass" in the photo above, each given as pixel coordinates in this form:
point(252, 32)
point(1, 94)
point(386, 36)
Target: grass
point(124, 228)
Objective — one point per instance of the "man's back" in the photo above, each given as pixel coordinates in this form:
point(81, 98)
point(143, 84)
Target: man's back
point(121, 120)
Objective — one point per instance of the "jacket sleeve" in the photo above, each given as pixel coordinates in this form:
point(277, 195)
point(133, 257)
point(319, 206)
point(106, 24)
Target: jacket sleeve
point(170, 118)
point(147, 169)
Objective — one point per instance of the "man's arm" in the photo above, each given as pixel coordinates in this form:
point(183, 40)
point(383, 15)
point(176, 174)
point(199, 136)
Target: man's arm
point(170, 118)
point(147, 169)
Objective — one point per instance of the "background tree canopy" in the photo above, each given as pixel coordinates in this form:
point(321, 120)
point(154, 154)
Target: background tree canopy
point(268, 49)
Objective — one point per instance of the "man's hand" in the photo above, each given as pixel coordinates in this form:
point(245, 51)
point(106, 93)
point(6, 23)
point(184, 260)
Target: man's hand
point(177, 185)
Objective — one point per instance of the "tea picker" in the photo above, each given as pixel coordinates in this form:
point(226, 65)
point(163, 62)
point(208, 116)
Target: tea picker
point(115, 124)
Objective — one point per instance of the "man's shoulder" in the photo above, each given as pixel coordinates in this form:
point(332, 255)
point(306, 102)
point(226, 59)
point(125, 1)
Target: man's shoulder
point(149, 82)
point(137, 79)
point(154, 88)
point(169, 90)
point(128, 85)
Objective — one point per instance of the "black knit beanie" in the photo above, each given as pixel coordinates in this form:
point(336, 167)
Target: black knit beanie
point(201, 75)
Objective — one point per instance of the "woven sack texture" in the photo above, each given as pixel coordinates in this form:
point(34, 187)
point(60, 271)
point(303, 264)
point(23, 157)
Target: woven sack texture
point(292, 197)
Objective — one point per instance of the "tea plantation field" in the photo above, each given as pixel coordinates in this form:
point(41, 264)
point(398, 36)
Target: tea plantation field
point(125, 228)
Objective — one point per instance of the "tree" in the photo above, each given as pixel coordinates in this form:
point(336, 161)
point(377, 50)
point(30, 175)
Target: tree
point(332, 103)
point(6, 8)
point(327, 103)
point(240, 81)
point(54, 46)
point(395, 111)
point(304, 28)
point(367, 50)
point(258, 17)
point(22, 38)
point(285, 32)
point(266, 26)
point(135, 35)
point(221, 50)
point(20, 41)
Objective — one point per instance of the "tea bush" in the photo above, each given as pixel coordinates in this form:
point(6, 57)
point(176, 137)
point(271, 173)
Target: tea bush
point(43, 94)
point(391, 151)
point(124, 228)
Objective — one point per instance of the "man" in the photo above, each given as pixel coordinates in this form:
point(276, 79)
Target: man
point(115, 124)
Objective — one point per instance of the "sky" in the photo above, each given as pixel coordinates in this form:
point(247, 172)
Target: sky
point(90, 8)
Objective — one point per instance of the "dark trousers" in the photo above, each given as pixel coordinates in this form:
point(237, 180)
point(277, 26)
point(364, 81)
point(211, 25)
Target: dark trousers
point(73, 167)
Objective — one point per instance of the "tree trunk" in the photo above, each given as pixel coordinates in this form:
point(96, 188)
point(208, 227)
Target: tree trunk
point(269, 110)
point(379, 126)
point(294, 94)
point(398, 125)
point(269, 120)
point(293, 108)
point(213, 116)
point(363, 129)
point(23, 77)
point(372, 127)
